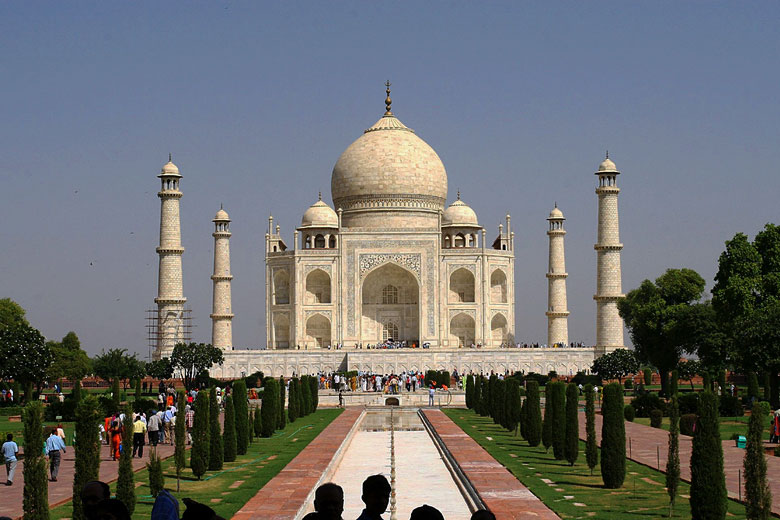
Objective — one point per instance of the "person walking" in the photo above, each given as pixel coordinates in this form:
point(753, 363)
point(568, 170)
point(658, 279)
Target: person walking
point(168, 425)
point(10, 450)
point(153, 427)
point(431, 394)
point(54, 449)
point(115, 434)
point(189, 422)
point(139, 436)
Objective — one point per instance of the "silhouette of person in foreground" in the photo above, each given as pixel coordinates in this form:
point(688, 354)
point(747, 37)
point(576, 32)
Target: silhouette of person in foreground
point(376, 496)
point(483, 514)
point(328, 503)
point(91, 494)
point(426, 512)
point(197, 511)
point(111, 509)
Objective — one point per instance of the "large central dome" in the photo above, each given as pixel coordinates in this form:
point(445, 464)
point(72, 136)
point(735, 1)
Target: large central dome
point(388, 170)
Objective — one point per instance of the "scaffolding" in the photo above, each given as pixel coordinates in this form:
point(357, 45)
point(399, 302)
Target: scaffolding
point(154, 333)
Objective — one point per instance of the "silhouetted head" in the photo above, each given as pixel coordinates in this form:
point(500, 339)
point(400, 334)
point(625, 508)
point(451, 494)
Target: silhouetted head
point(483, 514)
point(9, 437)
point(376, 494)
point(111, 509)
point(329, 501)
point(91, 494)
point(197, 511)
point(426, 512)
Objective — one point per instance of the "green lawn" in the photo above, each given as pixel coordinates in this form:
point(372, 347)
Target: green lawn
point(265, 458)
point(574, 493)
point(728, 426)
point(17, 428)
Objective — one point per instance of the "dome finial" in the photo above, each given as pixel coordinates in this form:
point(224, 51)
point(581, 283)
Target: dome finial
point(458, 193)
point(607, 157)
point(319, 195)
point(169, 157)
point(388, 101)
point(556, 203)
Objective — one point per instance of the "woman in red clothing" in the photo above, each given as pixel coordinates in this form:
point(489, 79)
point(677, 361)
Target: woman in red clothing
point(115, 431)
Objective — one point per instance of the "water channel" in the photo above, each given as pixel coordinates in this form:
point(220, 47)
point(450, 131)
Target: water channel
point(421, 475)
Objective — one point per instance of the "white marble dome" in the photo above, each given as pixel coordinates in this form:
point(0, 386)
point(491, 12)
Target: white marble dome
point(556, 213)
point(320, 214)
point(607, 166)
point(389, 166)
point(459, 214)
point(170, 169)
point(222, 215)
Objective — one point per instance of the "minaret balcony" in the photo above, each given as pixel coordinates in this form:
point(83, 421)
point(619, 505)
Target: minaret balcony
point(608, 297)
point(170, 301)
point(222, 278)
point(170, 250)
point(222, 234)
point(221, 316)
point(169, 194)
point(608, 247)
point(554, 276)
point(557, 314)
point(607, 190)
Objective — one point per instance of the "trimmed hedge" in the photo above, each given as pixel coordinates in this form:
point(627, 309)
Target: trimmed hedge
point(629, 413)
point(688, 424)
point(688, 402)
point(645, 403)
point(656, 418)
point(730, 406)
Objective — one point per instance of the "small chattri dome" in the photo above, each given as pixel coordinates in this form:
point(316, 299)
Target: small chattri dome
point(459, 214)
point(170, 169)
point(607, 166)
point(320, 215)
point(556, 214)
point(222, 215)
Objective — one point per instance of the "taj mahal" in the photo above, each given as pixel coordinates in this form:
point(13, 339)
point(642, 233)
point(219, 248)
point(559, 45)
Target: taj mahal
point(391, 278)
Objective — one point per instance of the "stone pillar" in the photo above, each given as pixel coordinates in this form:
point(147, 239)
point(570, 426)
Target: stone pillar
point(221, 309)
point(170, 299)
point(557, 311)
point(609, 325)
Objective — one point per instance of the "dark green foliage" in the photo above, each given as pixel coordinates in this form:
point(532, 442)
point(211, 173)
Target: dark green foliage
point(469, 392)
point(125, 485)
point(549, 420)
point(688, 424)
point(511, 404)
point(664, 383)
point(138, 393)
point(180, 433)
point(250, 426)
point(524, 419)
point(557, 394)
point(76, 392)
point(730, 406)
point(437, 378)
point(476, 394)
point(282, 411)
point(115, 394)
point(292, 406)
point(758, 497)
point(645, 403)
point(767, 386)
point(722, 381)
point(533, 414)
point(484, 401)
point(201, 436)
point(688, 402)
point(708, 483)
point(581, 378)
point(87, 449)
point(673, 456)
point(270, 407)
point(629, 384)
point(673, 383)
point(647, 374)
point(629, 413)
point(241, 407)
point(571, 448)
point(707, 381)
point(258, 422)
point(216, 450)
point(613, 438)
point(539, 378)
point(156, 478)
point(305, 397)
point(656, 417)
point(492, 401)
point(752, 390)
point(230, 430)
point(591, 448)
point(36, 488)
point(314, 394)
point(498, 402)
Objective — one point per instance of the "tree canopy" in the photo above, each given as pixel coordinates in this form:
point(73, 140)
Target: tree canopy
point(26, 355)
point(117, 364)
point(11, 313)
point(70, 360)
point(190, 359)
point(616, 365)
point(160, 369)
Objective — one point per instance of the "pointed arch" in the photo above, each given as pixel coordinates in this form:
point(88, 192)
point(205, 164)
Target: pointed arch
point(461, 286)
point(462, 330)
point(317, 287)
point(498, 287)
point(498, 329)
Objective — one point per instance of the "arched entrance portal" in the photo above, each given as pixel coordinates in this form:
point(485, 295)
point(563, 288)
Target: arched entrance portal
point(390, 299)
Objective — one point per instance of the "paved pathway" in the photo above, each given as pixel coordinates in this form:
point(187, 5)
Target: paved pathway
point(649, 445)
point(287, 492)
point(503, 494)
point(62, 490)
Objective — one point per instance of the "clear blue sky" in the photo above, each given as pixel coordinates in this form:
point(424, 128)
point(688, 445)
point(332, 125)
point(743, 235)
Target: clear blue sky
point(256, 101)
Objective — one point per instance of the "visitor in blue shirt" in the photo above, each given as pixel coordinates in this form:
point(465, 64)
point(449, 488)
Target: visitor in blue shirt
point(10, 449)
point(54, 449)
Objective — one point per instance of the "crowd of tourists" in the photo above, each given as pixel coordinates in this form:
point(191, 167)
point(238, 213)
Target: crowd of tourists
point(386, 383)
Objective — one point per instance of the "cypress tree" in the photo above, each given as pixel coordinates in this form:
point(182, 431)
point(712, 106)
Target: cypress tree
point(722, 381)
point(753, 386)
point(547, 425)
point(180, 437)
point(524, 419)
point(493, 397)
point(292, 406)
point(230, 430)
point(36, 488)
point(199, 454)
point(76, 394)
point(476, 393)
point(533, 414)
point(305, 396)
point(250, 426)
point(315, 396)
point(673, 382)
point(216, 449)
point(270, 407)
point(469, 392)
point(706, 381)
point(156, 478)
point(241, 408)
point(258, 423)
point(138, 394)
point(484, 401)
point(664, 383)
point(708, 482)
point(299, 398)
point(673, 457)
point(758, 497)
point(498, 403)
point(513, 404)
point(591, 447)
point(558, 397)
point(282, 414)
point(87, 449)
point(571, 448)
point(613, 437)
point(125, 485)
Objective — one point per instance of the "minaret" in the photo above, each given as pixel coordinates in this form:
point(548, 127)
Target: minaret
point(609, 325)
point(221, 310)
point(170, 299)
point(557, 312)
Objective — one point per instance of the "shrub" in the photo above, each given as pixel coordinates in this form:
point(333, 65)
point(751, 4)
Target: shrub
point(656, 417)
point(180, 436)
point(673, 382)
point(688, 424)
point(688, 402)
point(647, 374)
point(216, 450)
point(708, 483)
point(87, 449)
point(629, 384)
point(541, 379)
point(476, 398)
point(629, 413)
point(36, 497)
point(706, 381)
point(613, 438)
point(229, 436)
point(645, 403)
point(469, 392)
point(730, 406)
point(512, 404)
point(533, 415)
point(75, 394)
point(571, 447)
point(65, 409)
point(305, 397)
point(752, 390)
point(125, 485)
point(591, 448)
point(199, 454)
point(484, 400)
point(241, 408)
point(144, 405)
point(314, 388)
point(270, 407)
point(547, 425)
point(156, 478)
point(758, 497)
point(673, 454)
point(586, 379)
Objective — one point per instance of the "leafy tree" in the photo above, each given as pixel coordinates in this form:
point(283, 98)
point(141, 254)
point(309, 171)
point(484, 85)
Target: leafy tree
point(125, 486)
point(708, 482)
point(616, 365)
point(76, 392)
point(571, 448)
point(36, 488)
point(549, 420)
point(190, 359)
point(758, 497)
point(591, 447)
point(257, 423)
point(688, 369)
point(270, 406)
point(68, 359)
point(199, 454)
point(11, 314)
point(533, 414)
point(665, 319)
point(216, 450)
point(282, 414)
point(613, 437)
point(556, 392)
point(241, 408)
point(230, 430)
point(673, 457)
point(180, 438)
point(292, 406)
point(117, 364)
point(160, 369)
point(156, 477)
point(87, 449)
point(26, 355)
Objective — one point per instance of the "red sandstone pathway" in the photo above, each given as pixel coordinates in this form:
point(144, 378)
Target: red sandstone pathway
point(62, 490)
point(286, 493)
point(503, 494)
point(648, 445)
